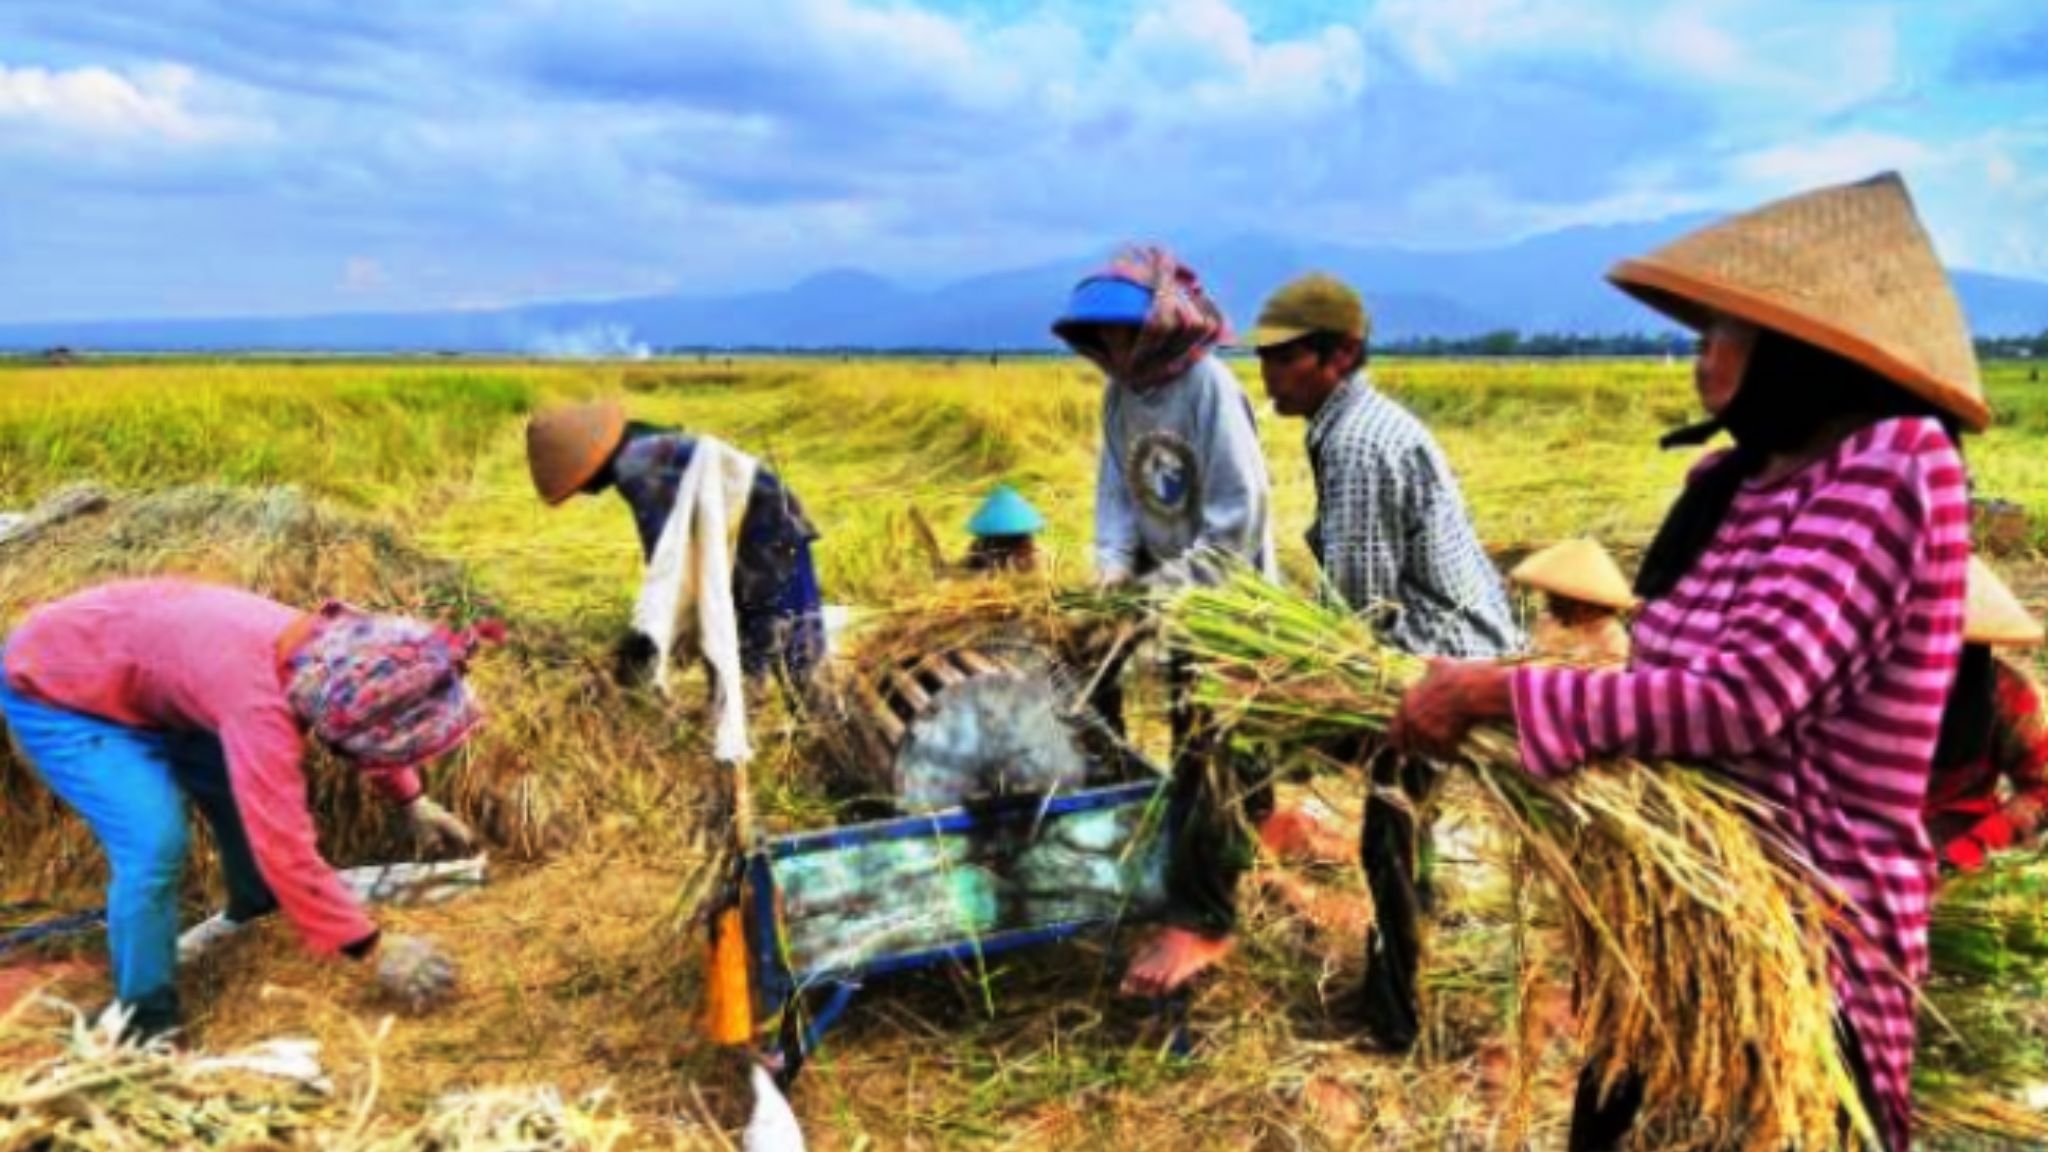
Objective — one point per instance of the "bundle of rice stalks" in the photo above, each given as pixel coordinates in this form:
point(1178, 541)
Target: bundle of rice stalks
point(562, 748)
point(1701, 948)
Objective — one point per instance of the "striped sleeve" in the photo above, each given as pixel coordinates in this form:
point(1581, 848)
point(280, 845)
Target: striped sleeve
point(1830, 594)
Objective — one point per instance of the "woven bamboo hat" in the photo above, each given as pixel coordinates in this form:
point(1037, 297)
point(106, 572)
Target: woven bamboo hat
point(1994, 615)
point(1848, 269)
point(1579, 569)
point(566, 446)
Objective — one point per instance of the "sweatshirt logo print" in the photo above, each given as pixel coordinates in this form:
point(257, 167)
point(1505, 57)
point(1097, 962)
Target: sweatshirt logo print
point(1162, 473)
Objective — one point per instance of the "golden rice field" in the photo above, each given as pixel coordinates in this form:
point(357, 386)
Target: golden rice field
point(1544, 449)
point(575, 972)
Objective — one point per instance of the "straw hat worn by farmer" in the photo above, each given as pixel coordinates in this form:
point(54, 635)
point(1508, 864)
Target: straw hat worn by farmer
point(129, 698)
point(1990, 786)
point(1585, 597)
point(1005, 530)
point(588, 448)
point(1803, 602)
point(1181, 489)
point(1396, 544)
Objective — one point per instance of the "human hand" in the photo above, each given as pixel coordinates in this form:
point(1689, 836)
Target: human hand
point(435, 830)
point(1444, 706)
point(414, 971)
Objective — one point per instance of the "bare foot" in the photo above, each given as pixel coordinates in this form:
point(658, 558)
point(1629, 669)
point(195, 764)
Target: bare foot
point(1300, 835)
point(1170, 959)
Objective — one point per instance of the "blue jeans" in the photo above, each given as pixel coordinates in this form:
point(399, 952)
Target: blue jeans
point(129, 785)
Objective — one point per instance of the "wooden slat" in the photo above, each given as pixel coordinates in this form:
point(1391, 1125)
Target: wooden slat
point(941, 669)
point(977, 663)
point(885, 717)
point(911, 691)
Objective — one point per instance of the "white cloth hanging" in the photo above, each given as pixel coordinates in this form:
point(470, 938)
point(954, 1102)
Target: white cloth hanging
point(686, 594)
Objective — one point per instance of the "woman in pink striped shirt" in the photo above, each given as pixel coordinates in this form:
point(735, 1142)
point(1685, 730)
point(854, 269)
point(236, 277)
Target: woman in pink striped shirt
point(1804, 601)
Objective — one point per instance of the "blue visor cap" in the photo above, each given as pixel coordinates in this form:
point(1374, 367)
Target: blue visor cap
point(1107, 300)
point(1005, 513)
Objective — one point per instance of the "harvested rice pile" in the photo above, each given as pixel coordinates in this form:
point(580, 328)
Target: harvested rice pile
point(563, 748)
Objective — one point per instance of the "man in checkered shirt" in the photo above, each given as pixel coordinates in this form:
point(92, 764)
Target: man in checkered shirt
point(1395, 543)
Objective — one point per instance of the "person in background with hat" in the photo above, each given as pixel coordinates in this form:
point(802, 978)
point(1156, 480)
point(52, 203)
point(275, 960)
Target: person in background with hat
point(132, 697)
point(1005, 530)
point(1181, 493)
point(1585, 597)
point(1396, 545)
point(589, 448)
point(1990, 786)
point(1803, 602)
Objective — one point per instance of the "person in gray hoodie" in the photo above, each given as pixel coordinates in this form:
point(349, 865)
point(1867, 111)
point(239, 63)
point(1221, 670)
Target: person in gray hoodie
point(1181, 492)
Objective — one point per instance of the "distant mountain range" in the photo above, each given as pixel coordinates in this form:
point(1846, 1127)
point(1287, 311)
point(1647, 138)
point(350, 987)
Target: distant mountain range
point(1550, 283)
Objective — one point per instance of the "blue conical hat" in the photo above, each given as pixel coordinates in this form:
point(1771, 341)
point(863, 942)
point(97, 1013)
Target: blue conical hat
point(1005, 513)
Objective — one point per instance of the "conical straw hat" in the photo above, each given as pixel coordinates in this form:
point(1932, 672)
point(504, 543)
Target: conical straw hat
point(1848, 269)
point(1579, 569)
point(1994, 615)
point(566, 446)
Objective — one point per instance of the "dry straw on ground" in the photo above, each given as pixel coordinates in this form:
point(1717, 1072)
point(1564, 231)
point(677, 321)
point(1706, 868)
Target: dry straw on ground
point(87, 1091)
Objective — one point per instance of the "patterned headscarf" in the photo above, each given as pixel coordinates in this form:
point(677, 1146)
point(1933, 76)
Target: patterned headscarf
point(385, 691)
point(1183, 325)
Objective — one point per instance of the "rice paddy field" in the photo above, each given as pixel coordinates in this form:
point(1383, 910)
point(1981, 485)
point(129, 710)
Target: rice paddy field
point(403, 484)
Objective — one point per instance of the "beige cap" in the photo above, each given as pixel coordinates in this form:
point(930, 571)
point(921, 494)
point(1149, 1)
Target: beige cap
point(1848, 269)
point(1994, 615)
point(1579, 569)
point(566, 446)
point(1312, 303)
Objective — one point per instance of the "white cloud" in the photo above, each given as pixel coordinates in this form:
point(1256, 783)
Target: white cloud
point(1830, 159)
point(150, 103)
point(1802, 61)
point(1445, 39)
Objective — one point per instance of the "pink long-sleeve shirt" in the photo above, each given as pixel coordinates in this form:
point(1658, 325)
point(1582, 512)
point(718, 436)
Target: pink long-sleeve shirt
point(1809, 654)
point(175, 655)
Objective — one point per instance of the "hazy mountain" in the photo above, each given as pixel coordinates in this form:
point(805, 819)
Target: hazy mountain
point(1549, 283)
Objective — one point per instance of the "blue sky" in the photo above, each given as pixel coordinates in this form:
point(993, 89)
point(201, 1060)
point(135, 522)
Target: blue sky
point(208, 157)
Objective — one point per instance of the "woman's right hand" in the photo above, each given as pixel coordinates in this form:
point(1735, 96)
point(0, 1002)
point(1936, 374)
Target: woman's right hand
point(414, 971)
